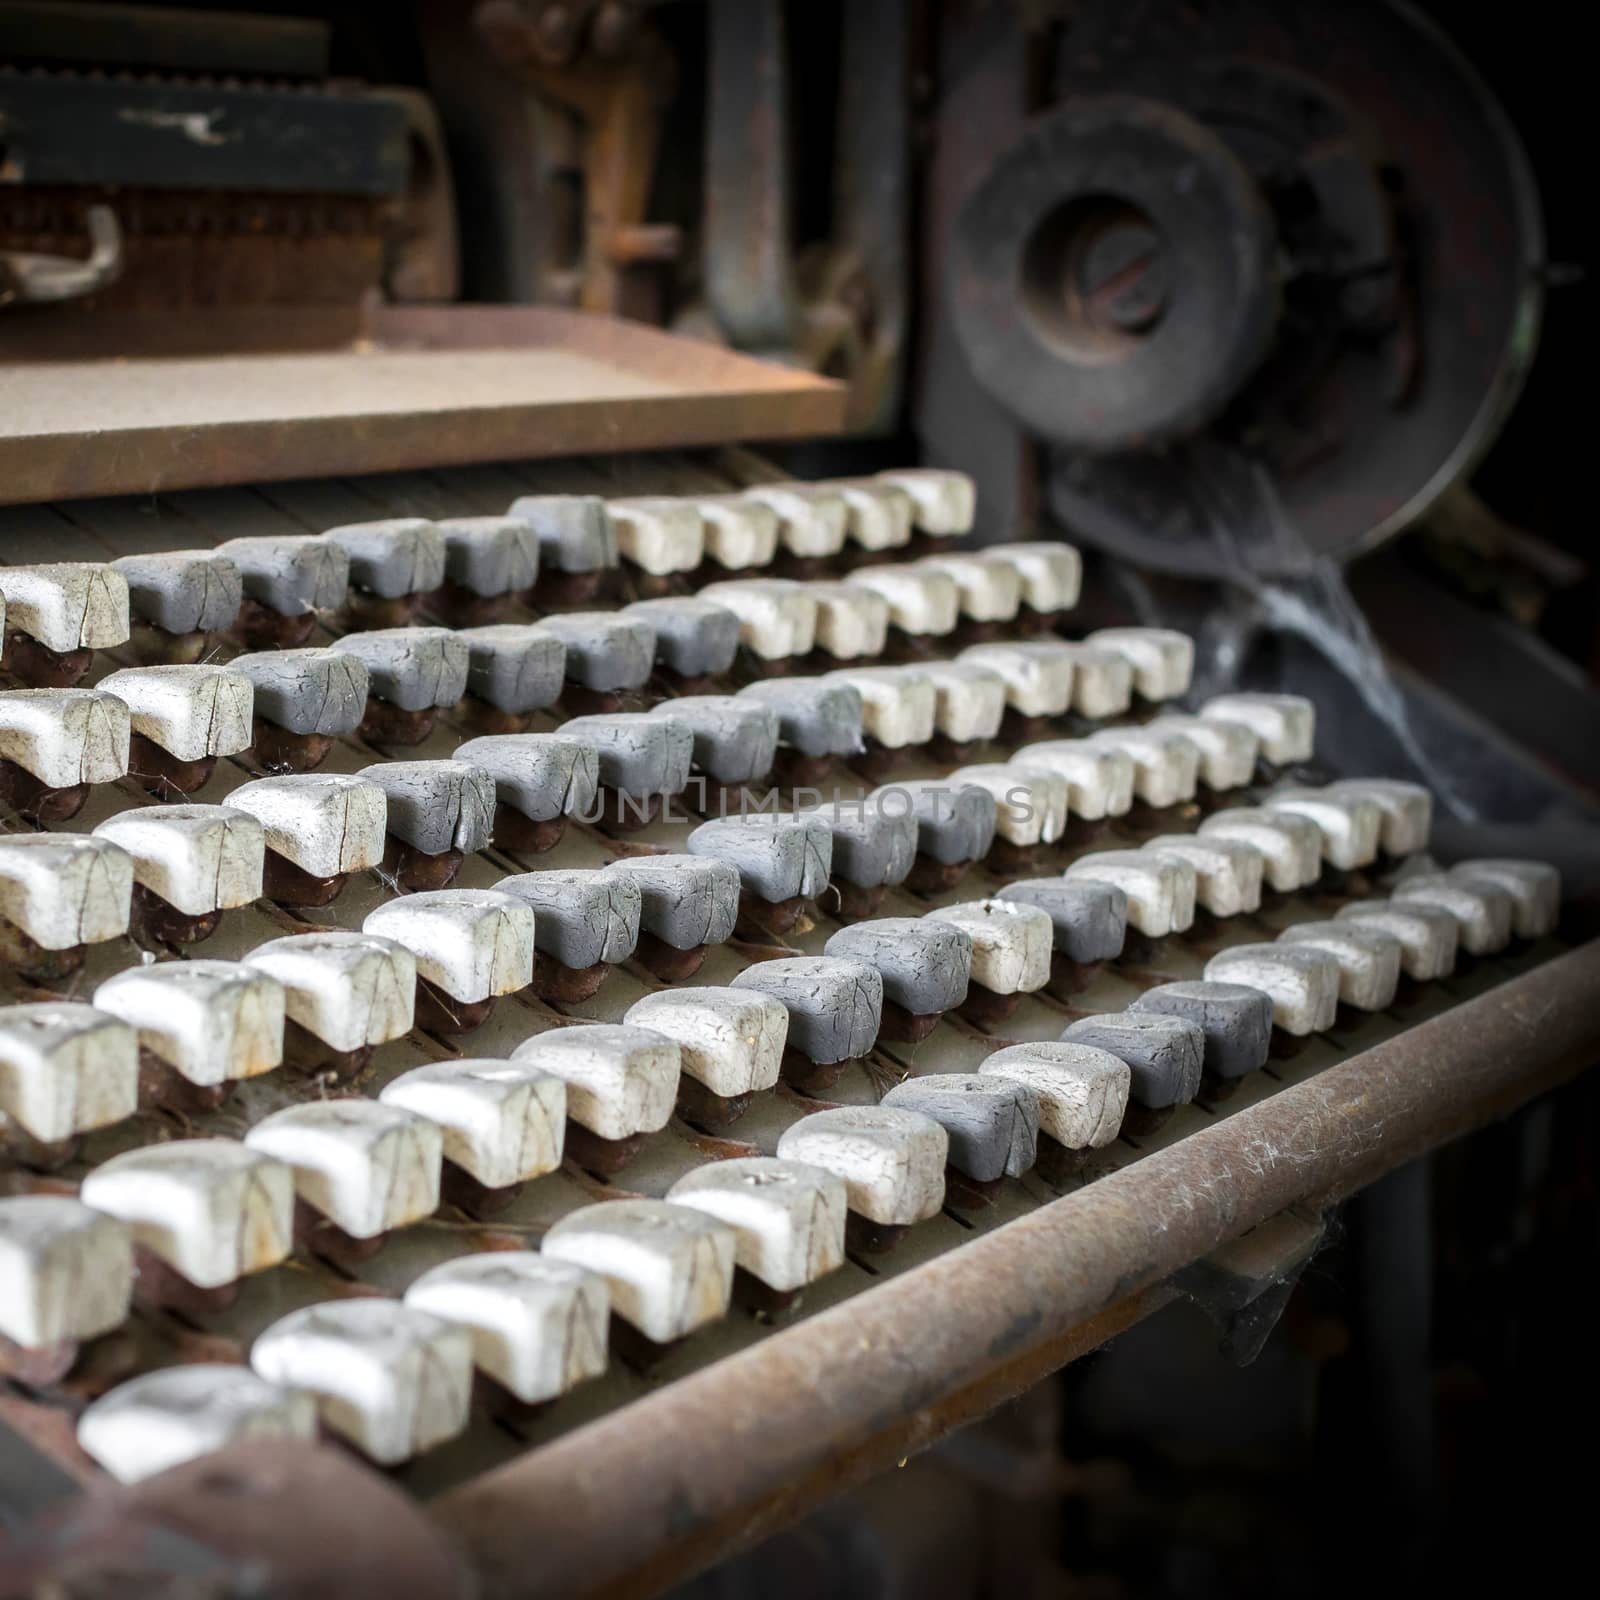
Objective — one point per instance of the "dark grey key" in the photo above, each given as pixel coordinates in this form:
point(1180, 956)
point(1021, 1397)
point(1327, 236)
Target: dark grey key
point(815, 717)
point(735, 739)
point(872, 845)
point(992, 1122)
point(290, 573)
point(574, 532)
point(393, 556)
point(307, 691)
point(925, 964)
point(834, 1005)
point(1090, 918)
point(693, 637)
point(183, 591)
point(542, 775)
point(684, 901)
point(490, 555)
point(581, 915)
point(413, 668)
point(436, 806)
point(515, 666)
point(955, 822)
point(639, 753)
point(1235, 1019)
point(776, 857)
point(1164, 1054)
point(606, 651)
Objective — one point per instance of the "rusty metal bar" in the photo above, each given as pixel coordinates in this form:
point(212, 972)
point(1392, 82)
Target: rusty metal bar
point(648, 1495)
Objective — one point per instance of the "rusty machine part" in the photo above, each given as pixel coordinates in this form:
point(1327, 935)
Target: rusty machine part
point(1301, 241)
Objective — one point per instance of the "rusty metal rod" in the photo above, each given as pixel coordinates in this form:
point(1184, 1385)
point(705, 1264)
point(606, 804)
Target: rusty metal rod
point(640, 1499)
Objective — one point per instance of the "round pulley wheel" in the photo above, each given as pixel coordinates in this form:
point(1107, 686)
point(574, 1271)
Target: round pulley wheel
point(1112, 278)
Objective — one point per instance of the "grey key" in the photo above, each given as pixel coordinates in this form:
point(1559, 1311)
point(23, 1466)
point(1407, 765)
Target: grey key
point(310, 691)
point(993, 1123)
point(606, 651)
point(684, 900)
point(1164, 1054)
point(693, 637)
point(392, 557)
point(834, 1005)
point(490, 555)
point(925, 964)
point(776, 857)
point(581, 916)
point(183, 591)
point(1235, 1019)
point(815, 717)
point(515, 666)
point(413, 668)
point(574, 532)
point(639, 753)
point(290, 573)
point(872, 844)
point(955, 822)
point(436, 806)
point(735, 739)
point(542, 775)
point(1090, 919)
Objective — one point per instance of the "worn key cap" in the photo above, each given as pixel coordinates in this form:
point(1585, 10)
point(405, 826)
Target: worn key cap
point(1303, 982)
point(992, 1122)
point(350, 990)
point(892, 1160)
point(55, 743)
point(621, 1080)
point(66, 1271)
point(66, 1067)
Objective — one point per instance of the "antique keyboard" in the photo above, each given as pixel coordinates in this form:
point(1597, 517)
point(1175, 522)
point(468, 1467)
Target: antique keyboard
point(482, 946)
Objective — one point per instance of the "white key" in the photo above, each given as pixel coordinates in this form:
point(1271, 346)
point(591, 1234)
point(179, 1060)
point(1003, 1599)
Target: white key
point(64, 889)
point(76, 605)
point(1286, 724)
point(1406, 810)
point(211, 1021)
point(1303, 983)
point(392, 1380)
point(1051, 572)
point(852, 622)
point(349, 989)
point(990, 591)
point(1369, 959)
point(1161, 889)
point(1290, 845)
point(731, 1040)
point(1482, 908)
point(1349, 824)
point(1428, 935)
point(920, 601)
point(1163, 659)
point(325, 823)
point(620, 1080)
point(942, 501)
point(877, 514)
point(1166, 765)
point(502, 1121)
point(162, 1419)
point(471, 943)
point(192, 712)
point(788, 1218)
point(197, 858)
point(659, 533)
point(1227, 871)
point(213, 1209)
point(1038, 673)
point(1030, 802)
point(892, 1161)
point(969, 700)
point(66, 1068)
point(1102, 682)
point(897, 703)
point(66, 1272)
point(1011, 942)
point(1099, 779)
point(65, 737)
point(366, 1166)
point(1228, 750)
point(1082, 1090)
point(1534, 887)
point(777, 617)
point(739, 532)
point(812, 520)
point(538, 1326)
point(669, 1268)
